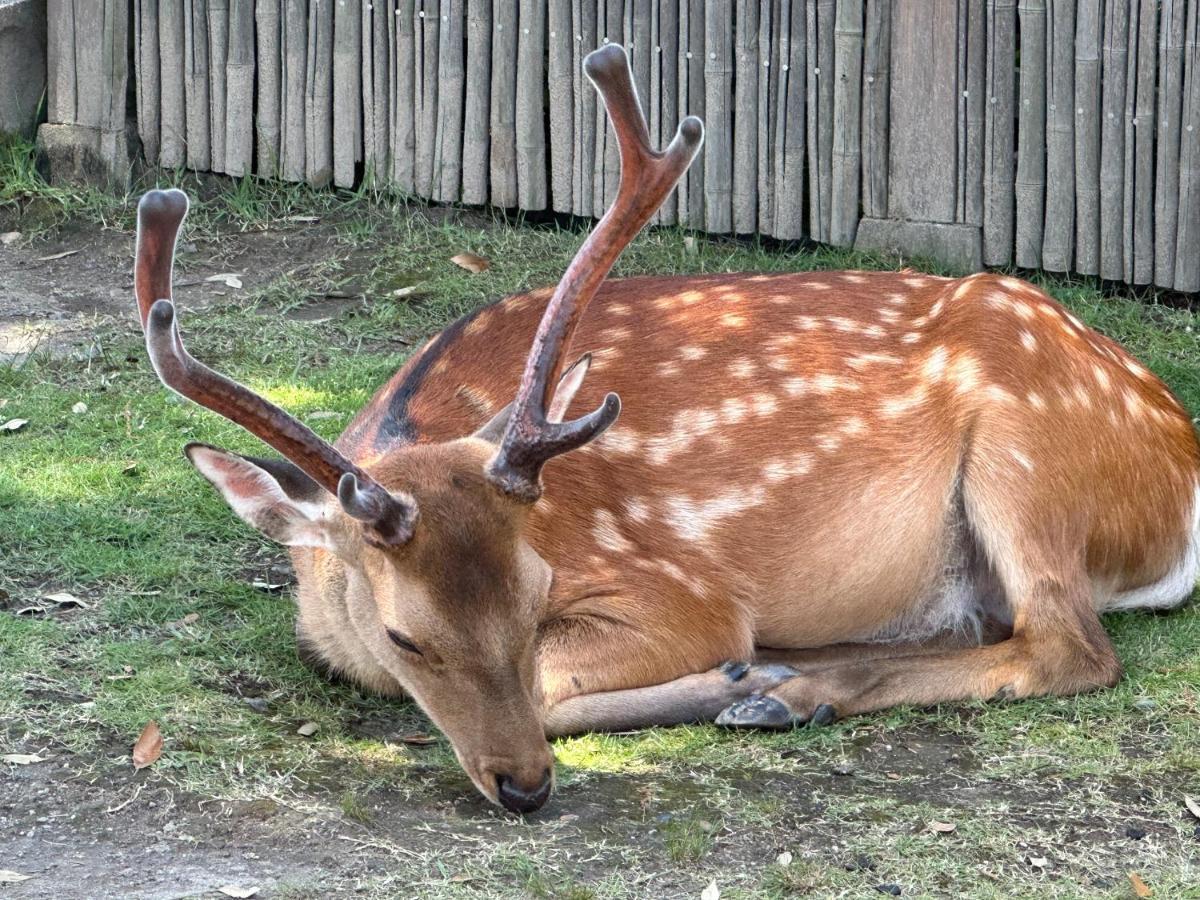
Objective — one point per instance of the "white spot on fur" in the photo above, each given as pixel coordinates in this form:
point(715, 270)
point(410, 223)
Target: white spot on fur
point(764, 404)
point(742, 368)
point(862, 360)
point(733, 410)
point(1028, 341)
point(898, 406)
point(935, 363)
point(911, 338)
point(790, 467)
point(607, 533)
point(669, 369)
point(619, 439)
point(825, 383)
point(618, 309)
point(829, 442)
point(637, 510)
point(694, 520)
point(808, 323)
point(616, 335)
point(692, 353)
point(965, 372)
point(999, 394)
point(854, 425)
point(1102, 378)
point(733, 321)
point(1035, 400)
point(1021, 458)
point(796, 387)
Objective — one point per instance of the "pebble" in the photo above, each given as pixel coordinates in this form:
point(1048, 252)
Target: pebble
point(1132, 831)
point(893, 889)
point(843, 768)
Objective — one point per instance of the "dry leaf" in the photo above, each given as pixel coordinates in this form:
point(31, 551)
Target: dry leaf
point(712, 892)
point(1139, 887)
point(129, 468)
point(66, 601)
point(13, 424)
point(308, 729)
point(418, 740)
point(784, 859)
point(21, 759)
point(232, 279)
point(942, 827)
point(9, 237)
point(57, 255)
point(471, 262)
point(79, 408)
point(405, 291)
point(1192, 805)
point(7, 876)
point(148, 747)
point(232, 890)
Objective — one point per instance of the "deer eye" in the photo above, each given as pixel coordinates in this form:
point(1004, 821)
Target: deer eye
point(403, 643)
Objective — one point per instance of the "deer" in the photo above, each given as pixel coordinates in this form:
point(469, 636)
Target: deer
point(827, 494)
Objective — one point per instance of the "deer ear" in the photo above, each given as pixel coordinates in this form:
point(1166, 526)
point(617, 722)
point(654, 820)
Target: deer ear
point(272, 495)
point(568, 385)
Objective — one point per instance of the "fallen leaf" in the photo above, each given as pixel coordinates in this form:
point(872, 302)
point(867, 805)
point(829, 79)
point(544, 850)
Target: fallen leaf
point(1192, 805)
point(13, 424)
point(712, 892)
point(148, 747)
point(21, 759)
point(405, 291)
point(79, 408)
point(1039, 862)
point(942, 827)
point(7, 876)
point(784, 859)
point(231, 279)
point(232, 890)
point(189, 619)
point(64, 600)
point(129, 468)
point(1140, 888)
point(9, 237)
point(308, 729)
point(53, 256)
point(471, 262)
point(418, 740)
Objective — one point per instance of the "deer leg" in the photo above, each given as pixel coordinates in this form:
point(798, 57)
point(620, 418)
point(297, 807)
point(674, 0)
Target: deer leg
point(1058, 646)
point(601, 674)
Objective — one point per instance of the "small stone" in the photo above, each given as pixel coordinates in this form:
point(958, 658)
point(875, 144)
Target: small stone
point(1132, 831)
point(845, 767)
point(258, 704)
point(860, 863)
point(1143, 703)
point(893, 889)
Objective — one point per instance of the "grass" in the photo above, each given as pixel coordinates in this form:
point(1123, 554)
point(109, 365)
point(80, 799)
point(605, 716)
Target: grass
point(102, 505)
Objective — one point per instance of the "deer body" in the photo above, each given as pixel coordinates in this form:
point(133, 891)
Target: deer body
point(829, 493)
point(810, 460)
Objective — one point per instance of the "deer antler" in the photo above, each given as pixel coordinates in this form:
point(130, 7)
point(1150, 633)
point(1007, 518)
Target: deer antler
point(647, 177)
point(390, 518)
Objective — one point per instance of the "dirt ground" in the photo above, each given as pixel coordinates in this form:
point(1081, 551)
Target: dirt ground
point(94, 828)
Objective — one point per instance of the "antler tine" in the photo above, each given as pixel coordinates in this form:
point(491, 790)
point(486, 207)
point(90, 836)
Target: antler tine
point(647, 177)
point(160, 215)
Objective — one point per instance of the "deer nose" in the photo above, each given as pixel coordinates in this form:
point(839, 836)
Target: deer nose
point(516, 799)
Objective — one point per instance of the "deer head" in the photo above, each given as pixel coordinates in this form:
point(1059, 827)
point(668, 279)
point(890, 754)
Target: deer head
point(422, 545)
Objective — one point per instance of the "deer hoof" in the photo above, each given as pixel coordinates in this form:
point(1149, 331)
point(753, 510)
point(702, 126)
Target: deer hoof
point(756, 711)
point(735, 671)
point(823, 715)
